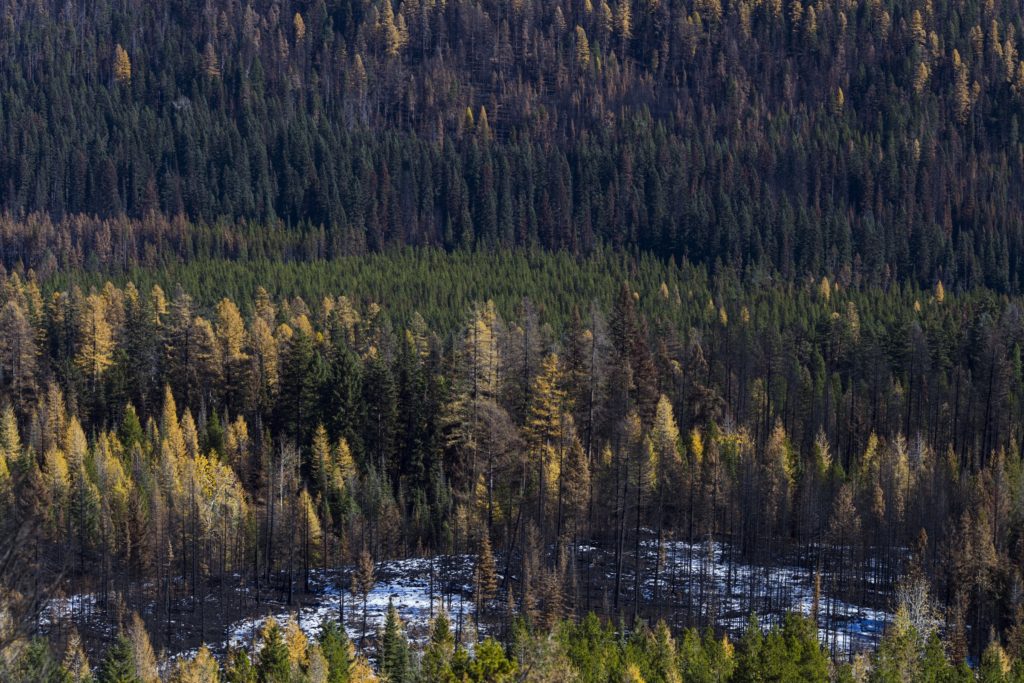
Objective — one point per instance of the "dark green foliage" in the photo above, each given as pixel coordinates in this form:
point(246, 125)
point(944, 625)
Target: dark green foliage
point(436, 664)
point(694, 664)
point(272, 664)
point(746, 137)
point(590, 646)
point(394, 649)
point(35, 664)
point(118, 664)
point(791, 399)
point(130, 432)
point(335, 645)
point(239, 668)
point(490, 664)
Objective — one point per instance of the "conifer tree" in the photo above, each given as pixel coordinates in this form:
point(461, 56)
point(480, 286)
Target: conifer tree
point(76, 661)
point(202, 668)
point(582, 47)
point(336, 648)
point(118, 663)
point(96, 341)
point(273, 664)
point(239, 668)
point(122, 65)
point(363, 581)
point(490, 663)
point(142, 651)
point(485, 574)
point(436, 664)
point(395, 664)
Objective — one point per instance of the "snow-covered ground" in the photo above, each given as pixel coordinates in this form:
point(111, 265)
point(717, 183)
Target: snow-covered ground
point(66, 610)
point(695, 579)
point(732, 591)
point(699, 580)
point(740, 589)
point(410, 584)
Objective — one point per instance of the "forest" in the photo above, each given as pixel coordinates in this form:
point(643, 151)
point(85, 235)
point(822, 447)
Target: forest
point(879, 139)
point(470, 340)
point(164, 455)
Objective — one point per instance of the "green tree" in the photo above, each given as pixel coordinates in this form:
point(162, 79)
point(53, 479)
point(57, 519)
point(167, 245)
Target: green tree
point(239, 668)
point(118, 663)
point(395, 664)
point(336, 648)
point(436, 665)
point(273, 664)
point(898, 657)
point(34, 664)
point(490, 664)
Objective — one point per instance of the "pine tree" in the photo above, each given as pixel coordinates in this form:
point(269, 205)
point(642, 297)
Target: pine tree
point(436, 664)
point(898, 655)
point(297, 644)
point(392, 37)
point(76, 662)
point(624, 20)
point(211, 65)
point(694, 663)
point(995, 664)
point(749, 664)
point(230, 332)
point(96, 343)
point(582, 48)
point(18, 353)
point(545, 425)
point(34, 663)
point(934, 664)
point(663, 654)
point(491, 665)
point(239, 668)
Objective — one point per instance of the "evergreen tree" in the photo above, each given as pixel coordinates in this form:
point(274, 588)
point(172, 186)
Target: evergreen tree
point(395, 663)
point(239, 668)
point(335, 645)
point(273, 665)
point(118, 663)
point(436, 664)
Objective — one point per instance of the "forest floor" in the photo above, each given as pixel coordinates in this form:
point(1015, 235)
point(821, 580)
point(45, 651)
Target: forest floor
point(697, 584)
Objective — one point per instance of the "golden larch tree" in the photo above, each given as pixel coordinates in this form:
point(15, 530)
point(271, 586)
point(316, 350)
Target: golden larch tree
point(96, 342)
point(122, 65)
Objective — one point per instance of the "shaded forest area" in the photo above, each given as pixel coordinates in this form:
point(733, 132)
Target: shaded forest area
point(875, 140)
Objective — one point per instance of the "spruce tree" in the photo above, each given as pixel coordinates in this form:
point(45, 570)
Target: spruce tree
point(394, 649)
point(436, 664)
point(118, 663)
point(335, 645)
point(273, 665)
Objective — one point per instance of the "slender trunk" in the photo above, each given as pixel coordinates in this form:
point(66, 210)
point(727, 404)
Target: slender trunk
point(636, 542)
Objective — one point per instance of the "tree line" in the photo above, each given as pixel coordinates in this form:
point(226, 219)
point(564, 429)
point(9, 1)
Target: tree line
point(588, 650)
